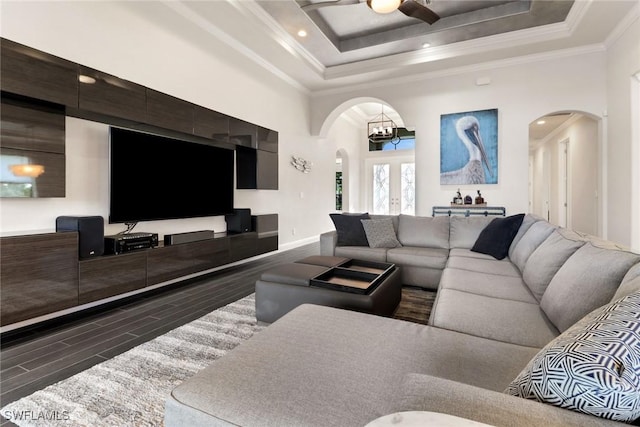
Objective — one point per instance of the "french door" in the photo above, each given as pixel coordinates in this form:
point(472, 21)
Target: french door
point(391, 186)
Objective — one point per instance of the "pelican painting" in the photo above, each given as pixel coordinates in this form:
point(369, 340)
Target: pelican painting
point(468, 148)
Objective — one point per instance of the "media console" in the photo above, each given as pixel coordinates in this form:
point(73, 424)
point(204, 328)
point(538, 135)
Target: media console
point(42, 276)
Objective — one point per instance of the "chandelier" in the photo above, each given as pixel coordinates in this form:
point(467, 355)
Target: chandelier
point(382, 129)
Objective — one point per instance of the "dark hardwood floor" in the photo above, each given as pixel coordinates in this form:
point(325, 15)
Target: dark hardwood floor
point(34, 358)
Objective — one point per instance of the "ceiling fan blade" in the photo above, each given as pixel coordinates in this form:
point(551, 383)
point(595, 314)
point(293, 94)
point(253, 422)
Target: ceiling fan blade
point(313, 6)
point(416, 10)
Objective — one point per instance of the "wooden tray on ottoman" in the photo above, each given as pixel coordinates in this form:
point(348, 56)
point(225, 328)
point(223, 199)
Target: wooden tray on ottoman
point(354, 276)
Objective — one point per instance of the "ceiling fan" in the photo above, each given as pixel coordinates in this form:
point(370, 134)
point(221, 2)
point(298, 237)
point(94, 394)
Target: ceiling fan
point(413, 8)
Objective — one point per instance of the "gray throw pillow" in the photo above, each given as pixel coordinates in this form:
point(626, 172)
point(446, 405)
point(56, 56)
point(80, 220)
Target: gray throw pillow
point(380, 233)
point(593, 367)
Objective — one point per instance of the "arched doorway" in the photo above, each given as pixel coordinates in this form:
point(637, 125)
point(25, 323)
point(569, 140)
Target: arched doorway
point(565, 170)
point(378, 173)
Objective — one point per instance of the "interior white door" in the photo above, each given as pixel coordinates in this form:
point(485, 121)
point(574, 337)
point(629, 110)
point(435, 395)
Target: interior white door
point(391, 186)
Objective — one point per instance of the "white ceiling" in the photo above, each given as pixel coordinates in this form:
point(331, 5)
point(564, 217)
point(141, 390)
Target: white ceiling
point(386, 46)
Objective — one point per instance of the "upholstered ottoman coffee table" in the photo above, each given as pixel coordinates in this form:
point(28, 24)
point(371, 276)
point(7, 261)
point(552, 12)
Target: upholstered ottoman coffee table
point(369, 287)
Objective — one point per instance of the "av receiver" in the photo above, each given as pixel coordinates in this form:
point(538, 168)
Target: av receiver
point(120, 243)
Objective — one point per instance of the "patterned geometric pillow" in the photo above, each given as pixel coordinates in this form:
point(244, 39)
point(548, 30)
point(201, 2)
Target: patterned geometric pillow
point(593, 367)
point(380, 233)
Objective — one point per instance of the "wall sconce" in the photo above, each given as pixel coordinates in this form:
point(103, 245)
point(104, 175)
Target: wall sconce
point(32, 171)
point(301, 164)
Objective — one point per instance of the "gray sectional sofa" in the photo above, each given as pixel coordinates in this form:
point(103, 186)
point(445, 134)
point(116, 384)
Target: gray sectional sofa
point(549, 335)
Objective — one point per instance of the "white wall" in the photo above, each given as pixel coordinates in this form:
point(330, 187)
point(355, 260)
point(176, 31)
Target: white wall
point(116, 38)
point(521, 92)
point(623, 61)
point(582, 135)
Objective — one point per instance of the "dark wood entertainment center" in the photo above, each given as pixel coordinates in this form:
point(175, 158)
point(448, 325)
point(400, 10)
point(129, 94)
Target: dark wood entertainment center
point(41, 274)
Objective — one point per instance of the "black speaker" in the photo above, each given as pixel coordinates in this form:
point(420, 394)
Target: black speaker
point(191, 236)
point(239, 221)
point(90, 233)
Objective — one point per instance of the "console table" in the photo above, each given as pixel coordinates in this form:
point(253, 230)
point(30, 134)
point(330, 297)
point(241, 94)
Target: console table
point(469, 210)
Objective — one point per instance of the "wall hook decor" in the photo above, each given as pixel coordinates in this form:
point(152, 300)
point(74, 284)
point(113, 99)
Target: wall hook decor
point(301, 164)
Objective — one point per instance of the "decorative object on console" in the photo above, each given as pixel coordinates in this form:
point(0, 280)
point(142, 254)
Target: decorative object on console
point(457, 199)
point(467, 200)
point(592, 367)
point(480, 200)
point(90, 233)
point(349, 229)
point(380, 233)
point(495, 239)
point(301, 164)
point(469, 148)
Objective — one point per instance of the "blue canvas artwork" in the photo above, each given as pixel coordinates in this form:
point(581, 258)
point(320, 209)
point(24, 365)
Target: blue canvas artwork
point(469, 148)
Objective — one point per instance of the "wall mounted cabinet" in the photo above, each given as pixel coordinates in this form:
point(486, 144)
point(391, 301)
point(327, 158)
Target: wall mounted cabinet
point(111, 96)
point(171, 262)
point(168, 112)
point(39, 75)
point(44, 78)
point(32, 150)
point(267, 140)
point(210, 124)
point(39, 275)
point(108, 276)
point(243, 134)
point(256, 169)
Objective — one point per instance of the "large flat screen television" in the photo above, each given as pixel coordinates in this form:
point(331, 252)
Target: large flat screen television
point(154, 177)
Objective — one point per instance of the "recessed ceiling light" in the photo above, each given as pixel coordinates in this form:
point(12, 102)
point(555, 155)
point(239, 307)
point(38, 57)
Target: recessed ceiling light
point(426, 45)
point(541, 122)
point(86, 79)
point(302, 33)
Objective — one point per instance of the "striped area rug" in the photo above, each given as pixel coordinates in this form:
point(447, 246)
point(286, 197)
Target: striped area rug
point(130, 389)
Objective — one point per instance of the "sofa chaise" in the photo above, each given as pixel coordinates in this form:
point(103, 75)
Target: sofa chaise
point(547, 335)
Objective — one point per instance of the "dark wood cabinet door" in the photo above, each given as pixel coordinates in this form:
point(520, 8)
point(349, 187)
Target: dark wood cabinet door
point(111, 96)
point(107, 276)
point(242, 246)
point(19, 181)
point(267, 140)
point(171, 262)
point(246, 172)
point(36, 74)
point(210, 124)
point(267, 244)
point(26, 127)
point(267, 170)
point(39, 275)
point(168, 112)
point(243, 133)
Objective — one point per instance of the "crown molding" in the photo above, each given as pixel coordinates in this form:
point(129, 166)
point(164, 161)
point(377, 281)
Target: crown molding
point(275, 31)
point(187, 13)
point(484, 66)
point(526, 36)
point(620, 29)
